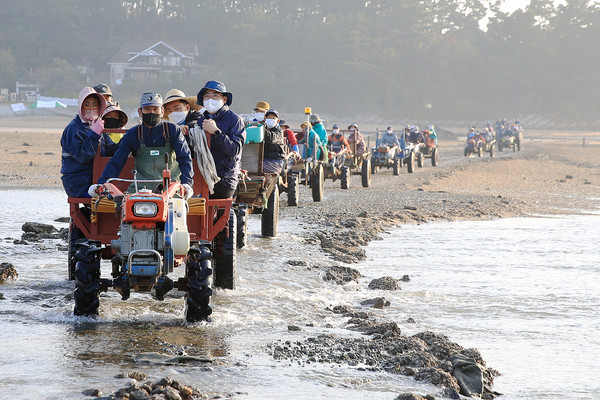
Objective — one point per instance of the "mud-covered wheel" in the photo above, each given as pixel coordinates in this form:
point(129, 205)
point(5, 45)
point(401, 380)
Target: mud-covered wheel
point(198, 272)
point(345, 178)
point(87, 278)
point(373, 167)
point(316, 183)
point(514, 147)
point(466, 152)
point(270, 216)
point(500, 146)
point(396, 166)
point(479, 152)
point(420, 160)
point(492, 153)
point(519, 145)
point(435, 157)
point(411, 163)
point(224, 252)
point(75, 235)
point(242, 226)
point(365, 172)
point(293, 190)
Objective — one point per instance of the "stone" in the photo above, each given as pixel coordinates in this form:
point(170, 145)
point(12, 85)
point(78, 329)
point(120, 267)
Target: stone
point(92, 392)
point(7, 271)
point(37, 227)
point(171, 393)
point(385, 283)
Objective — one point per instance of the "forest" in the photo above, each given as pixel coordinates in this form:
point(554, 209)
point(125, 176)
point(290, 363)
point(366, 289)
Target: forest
point(389, 58)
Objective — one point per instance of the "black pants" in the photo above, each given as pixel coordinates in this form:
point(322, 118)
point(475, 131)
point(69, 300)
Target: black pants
point(222, 191)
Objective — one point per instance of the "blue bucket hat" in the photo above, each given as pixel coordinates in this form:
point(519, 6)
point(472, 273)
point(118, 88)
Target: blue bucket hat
point(216, 86)
point(151, 99)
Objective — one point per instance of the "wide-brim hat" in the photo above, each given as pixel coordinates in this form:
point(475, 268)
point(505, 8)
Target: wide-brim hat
point(217, 87)
point(262, 106)
point(115, 107)
point(174, 95)
point(314, 118)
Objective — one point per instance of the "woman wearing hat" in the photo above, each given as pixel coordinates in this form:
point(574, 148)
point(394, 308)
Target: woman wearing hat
point(114, 118)
point(227, 136)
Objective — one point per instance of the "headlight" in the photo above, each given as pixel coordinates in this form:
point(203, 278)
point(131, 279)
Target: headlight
point(145, 209)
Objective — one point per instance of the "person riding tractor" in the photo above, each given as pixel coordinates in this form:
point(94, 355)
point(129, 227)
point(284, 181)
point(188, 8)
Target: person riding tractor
point(339, 147)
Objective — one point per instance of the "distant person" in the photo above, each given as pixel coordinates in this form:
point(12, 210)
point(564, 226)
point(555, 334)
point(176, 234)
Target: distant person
point(389, 138)
point(319, 128)
point(338, 146)
point(114, 118)
point(227, 136)
point(80, 141)
point(105, 91)
point(432, 133)
point(274, 152)
point(356, 140)
point(290, 136)
point(311, 140)
point(148, 143)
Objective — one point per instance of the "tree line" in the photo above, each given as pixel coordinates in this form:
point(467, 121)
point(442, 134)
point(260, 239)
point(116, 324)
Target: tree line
point(346, 57)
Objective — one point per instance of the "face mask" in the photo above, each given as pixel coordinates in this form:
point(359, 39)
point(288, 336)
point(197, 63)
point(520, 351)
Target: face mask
point(353, 130)
point(212, 105)
point(259, 116)
point(90, 115)
point(112, 123)
point(336, 131)
point(271, 123)
point(389, 132)
point(151, 119)
point(178, 117)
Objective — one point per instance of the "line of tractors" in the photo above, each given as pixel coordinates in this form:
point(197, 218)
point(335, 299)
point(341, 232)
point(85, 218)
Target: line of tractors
point(149, 233)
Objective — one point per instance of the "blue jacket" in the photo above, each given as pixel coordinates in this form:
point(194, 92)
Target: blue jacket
point(130, 144)
point(388, 140)
point(79, 146)
point(226, 147)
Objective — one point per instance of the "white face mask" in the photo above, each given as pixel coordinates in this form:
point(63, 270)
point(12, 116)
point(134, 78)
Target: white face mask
point(212, 105)
point(178, 117)
point(389, 131)
point(336, 131)
point(259, 116)
point(271, 123)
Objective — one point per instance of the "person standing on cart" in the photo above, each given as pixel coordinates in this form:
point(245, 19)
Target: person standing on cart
point(274, 143)
point(179, 111)
point(149, 142)
point(311, 140)
point(228, 135)
point(317, 126)
point(80, 141)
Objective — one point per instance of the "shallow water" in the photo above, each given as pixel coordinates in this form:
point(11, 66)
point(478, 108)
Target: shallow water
point(522, 291)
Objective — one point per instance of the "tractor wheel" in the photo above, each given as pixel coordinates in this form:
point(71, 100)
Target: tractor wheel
point(479, 152)
point(75, 235)
point(293, 190)
point(373, 167)
point(224, 250)
point(365, 173)
point(198, 272)
point(396, 166)
point(435, 157)
point(316, 183)
point(242, 226)
point(466, 152)
point(87, 278)
point(500, 147)
point(270, 216)
point(420, 160)
point(345, 178)
point(514, 146)
point(492, 154)
point(411, 163)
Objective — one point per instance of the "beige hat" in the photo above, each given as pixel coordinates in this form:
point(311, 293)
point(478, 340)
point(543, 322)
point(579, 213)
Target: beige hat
point(262, 106)
point(173, 95)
